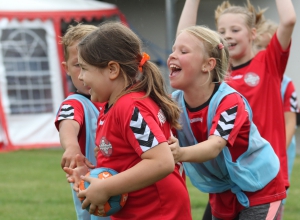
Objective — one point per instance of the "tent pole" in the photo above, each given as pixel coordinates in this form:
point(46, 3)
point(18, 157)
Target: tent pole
point(171, 27)
point(58, 33)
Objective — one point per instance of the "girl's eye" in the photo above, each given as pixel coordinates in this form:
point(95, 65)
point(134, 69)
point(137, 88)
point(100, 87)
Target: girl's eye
point(77, 65)
point(183, 52)
point(222, 32)
point(235, 30)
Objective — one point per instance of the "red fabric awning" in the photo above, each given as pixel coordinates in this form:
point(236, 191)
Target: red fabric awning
point(67, 16)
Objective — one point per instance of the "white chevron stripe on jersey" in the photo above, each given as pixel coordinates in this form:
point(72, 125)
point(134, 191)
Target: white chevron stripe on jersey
point(66, 112)
point(294, 103)
point(142, 131)
point(226, 123)
point(66, 106)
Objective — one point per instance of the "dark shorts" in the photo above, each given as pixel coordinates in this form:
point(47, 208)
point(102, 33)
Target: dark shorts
point(260, 212)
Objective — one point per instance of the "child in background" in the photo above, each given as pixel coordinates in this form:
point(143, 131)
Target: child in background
point(132, 133)
point(265, 30)
point(76, 119)
point(222, 150)
point(256, 76)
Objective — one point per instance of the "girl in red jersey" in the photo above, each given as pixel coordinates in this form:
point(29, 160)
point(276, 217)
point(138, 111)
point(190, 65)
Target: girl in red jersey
point(265, 31)
point(132, 133)
point(257, 76)
point(222, 150)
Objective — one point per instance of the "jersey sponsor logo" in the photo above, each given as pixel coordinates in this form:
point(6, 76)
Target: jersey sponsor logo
point(161, 117)
point(193, 120)
point(226, 123)
point(251, 79)
point(142, 131)
point(66, 112)
point(294, 103)
point(105, 147)
point(101, 122)
point(237, 77)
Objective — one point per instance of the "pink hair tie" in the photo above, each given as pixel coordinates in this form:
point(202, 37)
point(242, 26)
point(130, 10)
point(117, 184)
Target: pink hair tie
point(221, 46)
point(144, 59)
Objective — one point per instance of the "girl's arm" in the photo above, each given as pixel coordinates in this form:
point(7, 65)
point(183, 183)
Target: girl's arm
point(189, 14)
point(290, 125)
point(287, 22)
point(198, 153)
point(156, 164)
point(68, 135)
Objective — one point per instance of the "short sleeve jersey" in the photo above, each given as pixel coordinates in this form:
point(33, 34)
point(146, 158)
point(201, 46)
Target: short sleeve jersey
point(259, 80)
point(132, 126)
point(72, 109)
point(290, 102)
point(230, 122)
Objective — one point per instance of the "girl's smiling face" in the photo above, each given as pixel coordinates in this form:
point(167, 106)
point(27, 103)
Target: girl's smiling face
point(238, 35)
point(186, 62)
point(96, 79)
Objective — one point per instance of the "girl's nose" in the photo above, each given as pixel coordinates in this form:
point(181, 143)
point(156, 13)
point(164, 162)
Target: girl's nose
point(172, 55)
point(80, 76)
point(227, 35)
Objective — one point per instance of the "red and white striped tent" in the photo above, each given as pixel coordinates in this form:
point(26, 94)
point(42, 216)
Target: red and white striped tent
point(32, 81)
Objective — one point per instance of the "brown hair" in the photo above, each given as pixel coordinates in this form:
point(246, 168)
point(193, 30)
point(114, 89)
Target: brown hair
point(73, 34)
point(216, 47)
point(113, 41)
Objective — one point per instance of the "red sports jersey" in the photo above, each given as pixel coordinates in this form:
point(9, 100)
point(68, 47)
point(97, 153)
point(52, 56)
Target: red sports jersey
point(72, 109)
point(259, 80)
point(231, 123)
point(290, 103)
point(125, 131)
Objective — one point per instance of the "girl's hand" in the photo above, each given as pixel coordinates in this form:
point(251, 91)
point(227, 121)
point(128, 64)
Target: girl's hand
point(175, 148)
point(69, 157)
point(95, 195)
point(73, 175)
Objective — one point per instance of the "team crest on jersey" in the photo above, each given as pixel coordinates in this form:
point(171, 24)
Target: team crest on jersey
point(105, 147)
point(251, 79)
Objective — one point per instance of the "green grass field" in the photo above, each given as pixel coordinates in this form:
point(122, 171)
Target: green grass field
point(33, 187)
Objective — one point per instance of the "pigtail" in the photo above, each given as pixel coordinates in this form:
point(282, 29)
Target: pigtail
point(151, 81)
point(220, 9)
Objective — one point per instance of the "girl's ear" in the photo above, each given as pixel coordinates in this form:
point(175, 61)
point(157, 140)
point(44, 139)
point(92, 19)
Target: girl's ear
point(65, 66)
point(114, 70)
point(253, 33)
point(209, 65)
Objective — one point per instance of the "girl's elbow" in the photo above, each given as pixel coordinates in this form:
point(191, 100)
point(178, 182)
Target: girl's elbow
point(168, 167)
point(217, 151)
point(291, 22)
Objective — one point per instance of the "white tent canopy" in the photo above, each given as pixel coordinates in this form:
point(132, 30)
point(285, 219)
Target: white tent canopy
point(32, 81)
point(53, 5)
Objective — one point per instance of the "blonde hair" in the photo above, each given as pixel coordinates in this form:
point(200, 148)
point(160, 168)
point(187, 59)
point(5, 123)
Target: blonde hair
point(113, 41)
point(263, 27)
point(267, 27)
point(215, 47)
point(74, 34)
point(249, 12)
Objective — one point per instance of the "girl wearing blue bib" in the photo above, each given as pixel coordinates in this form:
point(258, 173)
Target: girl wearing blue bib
point(221, 149)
